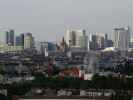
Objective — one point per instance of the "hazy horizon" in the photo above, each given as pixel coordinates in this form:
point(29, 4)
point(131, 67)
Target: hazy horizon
point(48, 19)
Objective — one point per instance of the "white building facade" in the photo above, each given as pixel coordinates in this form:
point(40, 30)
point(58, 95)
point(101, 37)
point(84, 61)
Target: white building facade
point(121, 38)
point(28, 41)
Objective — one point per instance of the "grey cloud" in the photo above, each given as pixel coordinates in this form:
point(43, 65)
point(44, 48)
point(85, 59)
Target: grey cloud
point(52, 17)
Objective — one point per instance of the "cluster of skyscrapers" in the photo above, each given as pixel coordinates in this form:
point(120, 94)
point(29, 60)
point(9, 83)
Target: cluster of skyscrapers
point(79, 39)
point(16, 43)
point(25, 40)
point(99, 41)
point(74, 39)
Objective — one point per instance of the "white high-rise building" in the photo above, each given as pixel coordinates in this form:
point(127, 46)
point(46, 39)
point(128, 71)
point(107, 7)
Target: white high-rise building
point(76, 38)
point(121, 38)
point(28, 41)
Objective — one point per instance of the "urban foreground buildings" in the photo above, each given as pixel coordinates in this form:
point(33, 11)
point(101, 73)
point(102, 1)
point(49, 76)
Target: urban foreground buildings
point(71, 65)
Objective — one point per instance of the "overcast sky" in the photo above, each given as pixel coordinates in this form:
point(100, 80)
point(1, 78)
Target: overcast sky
point(48, 19)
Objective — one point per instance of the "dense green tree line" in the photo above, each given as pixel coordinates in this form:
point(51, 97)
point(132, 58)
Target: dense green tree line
point(98, 82)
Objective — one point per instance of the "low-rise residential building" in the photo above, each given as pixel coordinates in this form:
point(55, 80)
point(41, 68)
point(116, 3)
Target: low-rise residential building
point(7, 48)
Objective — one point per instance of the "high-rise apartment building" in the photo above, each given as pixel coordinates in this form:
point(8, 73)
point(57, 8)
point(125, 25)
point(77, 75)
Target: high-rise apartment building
point(76, 38)
point(10, 37)
point(28, 41)
point(19, 40)
point(121, 38)
point(98, 41)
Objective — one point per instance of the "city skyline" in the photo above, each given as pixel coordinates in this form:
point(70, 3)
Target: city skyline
point(3, 33)
point(48, 17)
